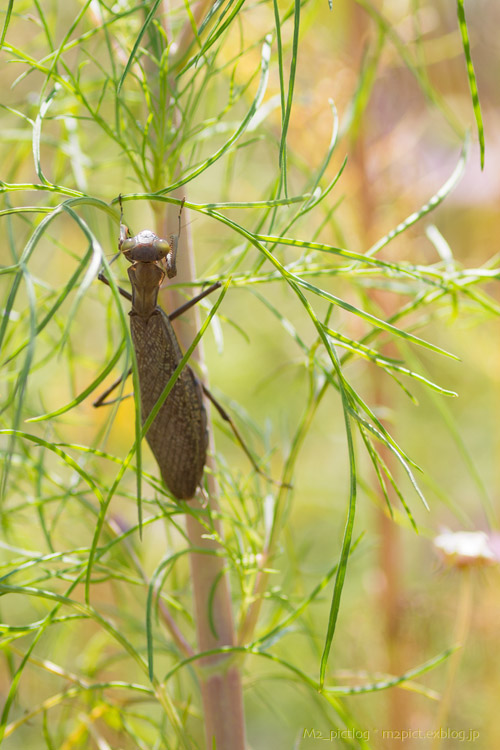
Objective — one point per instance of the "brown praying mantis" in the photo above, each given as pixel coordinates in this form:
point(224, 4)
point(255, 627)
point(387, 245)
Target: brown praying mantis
point(178, 435)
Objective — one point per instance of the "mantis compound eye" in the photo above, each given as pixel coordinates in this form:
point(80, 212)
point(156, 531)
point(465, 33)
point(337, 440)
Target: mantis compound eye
point(162, 247)
point(127, 245)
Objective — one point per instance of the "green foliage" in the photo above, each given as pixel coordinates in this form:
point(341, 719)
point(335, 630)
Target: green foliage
point(105, 103)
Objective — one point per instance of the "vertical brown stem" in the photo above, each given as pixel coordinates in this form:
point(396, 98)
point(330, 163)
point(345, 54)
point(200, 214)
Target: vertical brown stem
point(389, 560)
point(461, 630)
point(220, 678)
point(221, 688)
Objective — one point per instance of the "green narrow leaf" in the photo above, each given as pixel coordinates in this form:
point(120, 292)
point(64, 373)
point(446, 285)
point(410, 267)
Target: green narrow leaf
point(62, 454)
point(417, 272)
point(192, 22)
point(136, 46)
point(42, 15)
point(472, 77)
point(153, 588)
point(22, 380)
point(272, 634)
point(378, 464)
point(83, 395)
point(53, 307)
point(217, 31)
point(391, 682)
point(37, 134)
point(289, 101)
point(397, 453)
point(433, 203)
point(349, 524)
point(211, 12)
point(377, 322)
point(279, 44)
point(9, 306)
point(296, 281)
point(345, 551)
point(265, 59)
point(8, 14)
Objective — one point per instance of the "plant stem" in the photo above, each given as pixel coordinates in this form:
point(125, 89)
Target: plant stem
point(462, 625)
point(220, 684)
point(219, 677)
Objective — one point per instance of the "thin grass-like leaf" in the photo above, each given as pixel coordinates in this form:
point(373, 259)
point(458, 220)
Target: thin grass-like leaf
point(152, 593)
point(265, 58)
point(270, 636)
point(137, 44)
point(420, 273)
point(289, 99)
point(279, 45)
point(22, 381)
point(472, 77)
point(37, 133)
point(62, 454)
point(349, 525)
point(379, 464)
point(346, 545)
point(358, 348)
point(385, 362)
point(373, 320)
point(400, 458)
point(392, 682)
point(45, 24)
point(433, 203)
point(8, 14)
point(218, 30)
point(53, 307)
point(376, 462)
point(83, 395)
point(212, 10)
point(9, 305)
point(296, 281)
point(16, 187)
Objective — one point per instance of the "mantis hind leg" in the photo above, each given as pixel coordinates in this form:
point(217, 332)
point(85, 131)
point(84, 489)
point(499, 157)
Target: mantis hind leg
point(227, 418)
point(101, 401)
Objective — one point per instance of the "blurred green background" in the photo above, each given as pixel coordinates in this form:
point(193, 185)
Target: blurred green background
point(402, 130)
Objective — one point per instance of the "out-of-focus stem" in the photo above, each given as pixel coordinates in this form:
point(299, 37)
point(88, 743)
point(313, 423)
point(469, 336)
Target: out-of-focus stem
point(249, 623)
point(116, 528)
point(186, 38)
point(462, 624)
point(390, 553)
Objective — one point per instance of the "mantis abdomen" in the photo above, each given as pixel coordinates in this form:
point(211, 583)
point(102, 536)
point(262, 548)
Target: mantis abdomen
point(178, 435)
